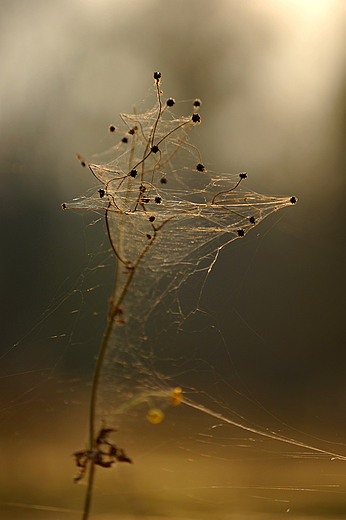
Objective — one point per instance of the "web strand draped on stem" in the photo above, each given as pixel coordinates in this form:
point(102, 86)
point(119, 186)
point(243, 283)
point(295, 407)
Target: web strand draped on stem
point(167, 217)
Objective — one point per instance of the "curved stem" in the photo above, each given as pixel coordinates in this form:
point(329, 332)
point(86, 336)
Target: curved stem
point(92, 410)
point(88, 495)
point(96, 378)
point(112, 312)
point(119, 293)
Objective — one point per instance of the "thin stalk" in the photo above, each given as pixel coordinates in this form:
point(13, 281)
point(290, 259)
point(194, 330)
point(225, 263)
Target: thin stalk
point(96, 379)
point(88, 495)
point(115, 301)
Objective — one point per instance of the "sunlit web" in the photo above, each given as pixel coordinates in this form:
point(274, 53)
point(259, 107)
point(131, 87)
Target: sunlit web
point(167, 219)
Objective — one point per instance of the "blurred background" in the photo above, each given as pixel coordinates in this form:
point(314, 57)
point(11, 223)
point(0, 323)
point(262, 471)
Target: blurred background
point(272, 78)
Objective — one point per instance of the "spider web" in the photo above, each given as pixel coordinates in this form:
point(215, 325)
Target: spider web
point(167, 220)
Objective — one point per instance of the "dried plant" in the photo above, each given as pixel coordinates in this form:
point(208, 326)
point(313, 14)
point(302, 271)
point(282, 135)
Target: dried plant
point(164, 223)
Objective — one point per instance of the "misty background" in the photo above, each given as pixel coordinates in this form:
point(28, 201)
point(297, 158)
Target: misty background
point(271, 75)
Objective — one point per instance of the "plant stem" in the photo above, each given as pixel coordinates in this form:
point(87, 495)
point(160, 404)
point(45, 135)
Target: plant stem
point(113, 307)
point(88, 495)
